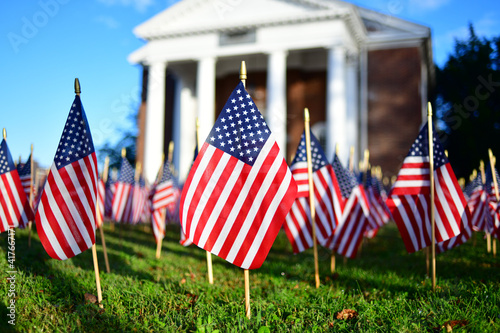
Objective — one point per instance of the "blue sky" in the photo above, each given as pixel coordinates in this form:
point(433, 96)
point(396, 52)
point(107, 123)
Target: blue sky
point(45, 44)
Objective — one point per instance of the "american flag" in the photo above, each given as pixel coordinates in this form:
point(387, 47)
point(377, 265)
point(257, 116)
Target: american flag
point(379, 214)
point(66, 214)
point(346, 180)
point(328, 199)
point(24, 170)
point(163, 197)
point(101, 194)
point(355, 217)
point(122, 210)
point(108, 197)
point(141, 209)
point(239, 190)
point(409, 200)
point(15, 210)
point(164, 191)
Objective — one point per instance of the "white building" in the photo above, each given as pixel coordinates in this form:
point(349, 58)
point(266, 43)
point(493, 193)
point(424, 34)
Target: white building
point(363, 75)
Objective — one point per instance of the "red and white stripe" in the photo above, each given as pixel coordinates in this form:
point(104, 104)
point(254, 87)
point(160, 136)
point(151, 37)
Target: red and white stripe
point(15, 210)
point(328, 208)
point(101, 192)
point(409, 203)
point(66, 212)
point(235, 210)
point(164, 195)
point(123, 202)
point(355, 220)
point(158, 223)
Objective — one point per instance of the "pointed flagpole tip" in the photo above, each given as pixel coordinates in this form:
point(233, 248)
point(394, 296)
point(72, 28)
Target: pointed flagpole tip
point(490, 153)
point(4, 132)
point(306, 114)
point(243, 70)
point(124, 152)
point(429, 109)
point(336, 149)
point(77, 87)
point(31, 148)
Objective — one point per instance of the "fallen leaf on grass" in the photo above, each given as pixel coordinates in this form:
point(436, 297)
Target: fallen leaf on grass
point(347, 314)
point(89, 298)
point(450, 324)
point(192, 298)
point(183, 281)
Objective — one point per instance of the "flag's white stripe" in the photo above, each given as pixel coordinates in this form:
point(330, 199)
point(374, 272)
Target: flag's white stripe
point(413, 171)
point(10, 209)
point(224, 195)
point(412, 183)
point(416, 159)
point(202, 166)
point(256, 204)
point(271, 210)
point(47, 229)
point(207, 195)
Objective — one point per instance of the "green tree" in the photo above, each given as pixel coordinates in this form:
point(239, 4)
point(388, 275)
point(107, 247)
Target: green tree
point(468, 102)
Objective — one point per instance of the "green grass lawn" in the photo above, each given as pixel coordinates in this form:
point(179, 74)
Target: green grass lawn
point(387, 288)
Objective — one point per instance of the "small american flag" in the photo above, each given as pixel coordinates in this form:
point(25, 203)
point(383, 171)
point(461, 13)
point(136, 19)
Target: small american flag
point(122, 209)
point(24, 170)
point(239, 190)
point(356, 217)
point(15, 210)
point(101, 194)
point(108, 197)
point(164, 191)
point(328, 199)
point(409, 200)
point(66, 214)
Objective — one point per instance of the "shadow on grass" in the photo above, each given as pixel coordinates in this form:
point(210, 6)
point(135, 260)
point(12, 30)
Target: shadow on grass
point(63, 290)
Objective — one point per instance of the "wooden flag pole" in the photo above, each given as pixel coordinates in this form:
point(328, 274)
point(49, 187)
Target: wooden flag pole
point(101, 222)
point(495, 183)
point(431, 174)
point(32, 164)
point(243, 78)
point(311, 194)
point(94, 251)
point(209, 255)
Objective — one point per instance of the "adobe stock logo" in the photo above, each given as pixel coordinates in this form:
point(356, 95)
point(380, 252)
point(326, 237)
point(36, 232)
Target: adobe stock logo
point(31, 25)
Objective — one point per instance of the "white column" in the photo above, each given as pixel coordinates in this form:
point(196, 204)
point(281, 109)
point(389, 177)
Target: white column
point(186, 126)
point(363, 135)
point(276, 97)
point(205, 92)
point(352, 95)
point(155, 120)
point(336, 106)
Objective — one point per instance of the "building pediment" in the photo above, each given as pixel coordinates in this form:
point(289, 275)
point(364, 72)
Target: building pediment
point(203, 16)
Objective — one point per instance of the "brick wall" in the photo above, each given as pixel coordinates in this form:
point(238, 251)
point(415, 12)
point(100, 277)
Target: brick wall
point(394, 105)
